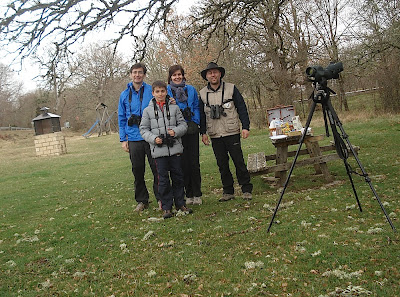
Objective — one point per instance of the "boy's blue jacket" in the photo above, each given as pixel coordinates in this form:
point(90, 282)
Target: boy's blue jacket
point(132, 133)
point(192, 102)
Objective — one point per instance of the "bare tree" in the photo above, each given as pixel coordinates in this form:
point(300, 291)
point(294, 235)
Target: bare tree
point(330, 30)
point(175, 47)
point(379, 48)
point(29, 23)
point(10, 90)
point(27, 109)
point(59, 66)
point(228, 18)
point(267, 36)
point(99, 69)
point(98, 76)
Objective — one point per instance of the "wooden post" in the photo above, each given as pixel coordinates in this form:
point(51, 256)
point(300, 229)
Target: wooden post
point(281, 158)
point(314, 150)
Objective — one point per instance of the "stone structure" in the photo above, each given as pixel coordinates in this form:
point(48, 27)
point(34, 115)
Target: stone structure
point(52, 144)
point(49, 141)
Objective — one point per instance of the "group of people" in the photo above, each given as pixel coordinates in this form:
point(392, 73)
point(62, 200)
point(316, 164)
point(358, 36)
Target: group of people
point(162, 122)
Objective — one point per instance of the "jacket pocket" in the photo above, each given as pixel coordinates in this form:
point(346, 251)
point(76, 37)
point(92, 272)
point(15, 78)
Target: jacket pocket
point(210, 128)
point(232, 125)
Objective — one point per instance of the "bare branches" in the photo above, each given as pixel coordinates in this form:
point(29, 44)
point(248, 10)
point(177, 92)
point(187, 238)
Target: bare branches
point(29, 23)
point(222, 16)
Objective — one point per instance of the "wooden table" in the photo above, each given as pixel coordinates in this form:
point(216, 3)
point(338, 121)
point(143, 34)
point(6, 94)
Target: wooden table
point(313, 149)
point(257, 163)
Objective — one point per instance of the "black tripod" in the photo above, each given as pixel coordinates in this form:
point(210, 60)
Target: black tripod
point(321, 94)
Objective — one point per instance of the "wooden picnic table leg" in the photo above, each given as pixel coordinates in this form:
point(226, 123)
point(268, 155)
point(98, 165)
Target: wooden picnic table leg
point(281, 158)
point(314, 151)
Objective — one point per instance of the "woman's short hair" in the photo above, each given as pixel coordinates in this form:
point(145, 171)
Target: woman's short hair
point(173, 69)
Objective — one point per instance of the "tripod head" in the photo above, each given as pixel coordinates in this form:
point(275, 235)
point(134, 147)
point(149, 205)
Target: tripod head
point(321, 92)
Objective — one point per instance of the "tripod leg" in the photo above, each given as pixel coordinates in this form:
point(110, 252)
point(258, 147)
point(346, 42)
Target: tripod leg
point(324, 112)
point(364, 173)
point(352, 183)
point(368, 181)
point(294, 162)
point(341, 148)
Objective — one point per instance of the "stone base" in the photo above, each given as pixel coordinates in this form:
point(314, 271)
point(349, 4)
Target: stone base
point(52, 144)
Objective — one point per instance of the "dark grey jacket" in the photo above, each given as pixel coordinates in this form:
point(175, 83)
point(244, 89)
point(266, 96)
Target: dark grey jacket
point(151, 127)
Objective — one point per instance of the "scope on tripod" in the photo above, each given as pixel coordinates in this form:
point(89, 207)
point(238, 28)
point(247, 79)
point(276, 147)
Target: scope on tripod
point(319, 76)
point(318, 73)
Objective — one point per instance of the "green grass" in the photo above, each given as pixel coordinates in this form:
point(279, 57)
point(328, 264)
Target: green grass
point(67, 226)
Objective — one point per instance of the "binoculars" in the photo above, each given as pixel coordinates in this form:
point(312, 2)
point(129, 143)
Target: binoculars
point(217, 111)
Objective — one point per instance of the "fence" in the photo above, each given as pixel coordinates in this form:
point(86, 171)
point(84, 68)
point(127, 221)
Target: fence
point(13, 128)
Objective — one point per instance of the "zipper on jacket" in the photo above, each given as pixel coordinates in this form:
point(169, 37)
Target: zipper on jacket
point(165, 127)
point(156, 108)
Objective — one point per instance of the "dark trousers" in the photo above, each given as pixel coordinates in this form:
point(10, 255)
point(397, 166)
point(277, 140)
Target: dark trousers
point(191, 165)
point(170, 167)
point(221, 147)
point(138, 150)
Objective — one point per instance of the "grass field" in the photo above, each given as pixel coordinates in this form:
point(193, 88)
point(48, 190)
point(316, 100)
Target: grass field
point(67, 226)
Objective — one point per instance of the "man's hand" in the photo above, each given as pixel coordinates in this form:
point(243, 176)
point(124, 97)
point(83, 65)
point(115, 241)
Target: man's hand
point(204, 139)
point(245, 133)
point(125, 146)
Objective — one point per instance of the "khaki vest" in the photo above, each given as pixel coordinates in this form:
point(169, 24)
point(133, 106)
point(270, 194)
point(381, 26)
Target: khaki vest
point(225, 125)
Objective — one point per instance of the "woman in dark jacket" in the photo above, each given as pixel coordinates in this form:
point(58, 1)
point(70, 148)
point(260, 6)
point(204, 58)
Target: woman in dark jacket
point(188, 101)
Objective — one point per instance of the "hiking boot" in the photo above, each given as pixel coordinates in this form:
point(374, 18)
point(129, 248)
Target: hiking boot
point(141, 206)
point(197, 201)
point(167, 214)
point(247, 196)
point(226, 197)
point(185, 209)
point(189, 200)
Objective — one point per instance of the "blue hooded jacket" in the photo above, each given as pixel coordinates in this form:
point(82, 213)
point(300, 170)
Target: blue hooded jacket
point(125, 110)
point(192, 102)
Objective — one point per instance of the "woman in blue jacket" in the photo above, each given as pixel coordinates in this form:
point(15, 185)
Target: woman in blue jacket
point(188, 101)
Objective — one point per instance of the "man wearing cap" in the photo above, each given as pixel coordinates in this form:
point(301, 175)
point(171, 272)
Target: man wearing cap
point(222, 110)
